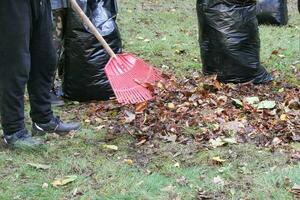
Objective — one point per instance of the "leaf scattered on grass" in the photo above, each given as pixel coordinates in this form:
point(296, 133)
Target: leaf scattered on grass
point(39, 166)
point(111, 147)
point(128, 161)
point(217, 160)
point(64, 181)
point(45, 185)
point(182, 181)
point(177, 165)
point(218, 181)
point(169, 188)
point(217, 142)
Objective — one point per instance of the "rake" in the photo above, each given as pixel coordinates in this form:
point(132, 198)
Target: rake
point(126, 72)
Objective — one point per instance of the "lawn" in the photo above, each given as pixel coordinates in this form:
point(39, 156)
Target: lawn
point(165, 34)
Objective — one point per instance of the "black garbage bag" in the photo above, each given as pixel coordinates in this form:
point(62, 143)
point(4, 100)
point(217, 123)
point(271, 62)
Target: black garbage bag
point(273, 12)
point(84, 78)
point(229, 41)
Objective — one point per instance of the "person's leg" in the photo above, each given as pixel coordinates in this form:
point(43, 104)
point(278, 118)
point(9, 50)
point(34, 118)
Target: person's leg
point(43, 62)
point(58, 25)
point(43, 66)
point(15, 18)
point(14, 62)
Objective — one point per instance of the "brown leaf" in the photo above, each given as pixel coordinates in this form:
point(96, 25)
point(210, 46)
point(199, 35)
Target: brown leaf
point(140, 107)
point(217, 85)
point(275, 52)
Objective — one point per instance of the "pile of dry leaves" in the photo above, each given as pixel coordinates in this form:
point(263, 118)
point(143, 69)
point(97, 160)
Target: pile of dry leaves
point(200, 109)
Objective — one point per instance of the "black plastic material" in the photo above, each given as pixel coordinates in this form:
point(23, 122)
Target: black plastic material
point(85, 59)
point(274, 12)
point(229, 41)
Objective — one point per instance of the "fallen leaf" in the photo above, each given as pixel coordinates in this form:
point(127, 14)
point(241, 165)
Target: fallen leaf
point(45, 185)
point(128, 161)
point(294, 104)
point(296, 138)
point(217, 85)
point(169, 188)
point(64, 181)
point(170, 138)
point(275, 52)
point(140, 107)
point(39, 166)
point(177, 165)
point(251, 100)
point(230, 140)
point(234, 126)
point(130, 117)
point(283, 117)
point(141, 143)
point(182, 181)
point(217, 160)
point(217, 142)
point(111, 147)
point(276, 141)
point(266, 105)
point(219, 181)
point(238, 103)
point(171, 105)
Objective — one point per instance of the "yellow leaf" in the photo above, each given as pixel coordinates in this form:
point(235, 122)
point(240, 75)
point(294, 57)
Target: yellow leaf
point(128, 161)
point(64, 181)
point(218, 159)
point(171, 105)
point(111, 147)
point(283, 117)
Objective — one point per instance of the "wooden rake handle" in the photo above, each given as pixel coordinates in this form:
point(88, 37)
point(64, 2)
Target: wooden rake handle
point(92, 28)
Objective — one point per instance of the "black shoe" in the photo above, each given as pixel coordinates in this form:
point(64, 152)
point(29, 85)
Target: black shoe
point(22, 140)
point(55, 100)
point(54, 126)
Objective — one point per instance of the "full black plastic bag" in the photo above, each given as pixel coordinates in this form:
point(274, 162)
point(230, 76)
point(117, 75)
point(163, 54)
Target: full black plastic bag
point(274, 12)
point(229, 41)
point(84, 78)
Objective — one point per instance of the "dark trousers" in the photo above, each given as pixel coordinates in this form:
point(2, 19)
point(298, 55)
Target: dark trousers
point(27, 56)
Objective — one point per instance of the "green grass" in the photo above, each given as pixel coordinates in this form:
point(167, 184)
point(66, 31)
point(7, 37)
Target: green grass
point(248, 172)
